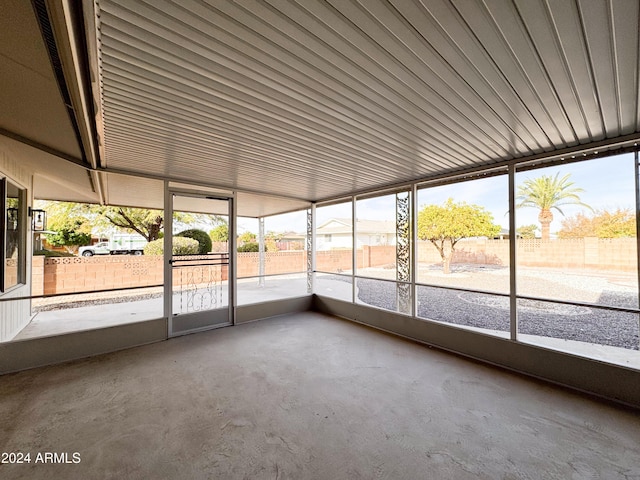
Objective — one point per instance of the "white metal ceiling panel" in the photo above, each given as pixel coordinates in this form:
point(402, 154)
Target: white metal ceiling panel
point(141, 192)
point(310, 100)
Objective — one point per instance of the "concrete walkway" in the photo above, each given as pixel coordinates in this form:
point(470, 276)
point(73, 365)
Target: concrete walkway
point(98, 315)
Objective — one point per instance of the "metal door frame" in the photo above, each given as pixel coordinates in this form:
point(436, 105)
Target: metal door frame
point(169, 194)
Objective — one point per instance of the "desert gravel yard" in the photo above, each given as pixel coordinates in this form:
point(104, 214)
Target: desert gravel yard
point(547, 319)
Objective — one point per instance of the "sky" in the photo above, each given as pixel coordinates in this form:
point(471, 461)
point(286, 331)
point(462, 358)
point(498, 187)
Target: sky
point(608, 183)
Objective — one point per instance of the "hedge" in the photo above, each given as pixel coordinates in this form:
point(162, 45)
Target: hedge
point(203, 238)
point(181, 246)
point(52, 253)
point(249, 247)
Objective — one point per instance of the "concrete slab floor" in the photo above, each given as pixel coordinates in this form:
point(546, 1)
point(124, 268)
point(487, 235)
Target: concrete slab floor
point(66, 320)
point(305, 396)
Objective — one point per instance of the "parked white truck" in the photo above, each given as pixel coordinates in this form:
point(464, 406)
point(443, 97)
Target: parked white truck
point(120, 243)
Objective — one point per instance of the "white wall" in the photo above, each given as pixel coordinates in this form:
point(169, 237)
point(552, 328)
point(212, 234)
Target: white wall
point(343, 240)
point(15, 315)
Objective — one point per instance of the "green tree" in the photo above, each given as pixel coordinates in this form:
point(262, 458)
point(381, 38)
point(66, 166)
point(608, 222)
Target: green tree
point(445, 225)
point(602, 224)
point(70, 223)
point(246, 237)
point(527, 231)
point(271, 240)
point(67, 215)
point(147, 223)
point(220, 233)
point(69, 237)
point(548, 193)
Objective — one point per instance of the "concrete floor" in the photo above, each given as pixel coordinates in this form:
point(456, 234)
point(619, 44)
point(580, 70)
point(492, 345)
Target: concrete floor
point(306, 396)
point(67, 320)
point(56, 322)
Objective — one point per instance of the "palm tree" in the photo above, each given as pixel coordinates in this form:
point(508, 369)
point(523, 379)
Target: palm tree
point(548, 193)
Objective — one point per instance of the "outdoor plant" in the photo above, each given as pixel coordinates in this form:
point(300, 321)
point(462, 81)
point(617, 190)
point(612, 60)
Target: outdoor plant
point(181, 246)
point(220, 233)
point(68, 239)
point(445, 225)
point(619, 223)
point(249, 247)
point(203, 239)
point(52, 253)
point(548, 193)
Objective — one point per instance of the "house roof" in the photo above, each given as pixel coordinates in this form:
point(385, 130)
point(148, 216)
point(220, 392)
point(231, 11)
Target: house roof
point(344, 226)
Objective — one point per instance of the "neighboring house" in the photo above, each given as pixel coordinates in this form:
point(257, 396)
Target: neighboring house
point(336, 233)
point(502, 235)
point(292, 241)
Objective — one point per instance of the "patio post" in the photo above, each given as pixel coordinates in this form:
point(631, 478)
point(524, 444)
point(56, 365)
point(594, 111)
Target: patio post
point(261, 249)
point(403, 252)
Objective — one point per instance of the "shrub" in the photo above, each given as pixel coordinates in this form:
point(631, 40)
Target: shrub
point(181, 246)
point(249, 247)
point(155, 247)
point(53, 253)
point(203, 238)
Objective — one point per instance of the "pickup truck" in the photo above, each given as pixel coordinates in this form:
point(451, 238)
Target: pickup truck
point(118, 245)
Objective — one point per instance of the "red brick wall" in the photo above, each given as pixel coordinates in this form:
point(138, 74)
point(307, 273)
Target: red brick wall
point(75, 274)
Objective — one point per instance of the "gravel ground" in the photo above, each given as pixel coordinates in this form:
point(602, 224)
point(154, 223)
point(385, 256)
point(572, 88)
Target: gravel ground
point(569, 322)
point(97, 298)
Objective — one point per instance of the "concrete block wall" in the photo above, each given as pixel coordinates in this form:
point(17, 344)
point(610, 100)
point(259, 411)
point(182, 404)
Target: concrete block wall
point(248, 264)
point(284, 262)
point(589, 253)
point(275, 262)
point(76, 274)
point(37, 275)
point(336, 260)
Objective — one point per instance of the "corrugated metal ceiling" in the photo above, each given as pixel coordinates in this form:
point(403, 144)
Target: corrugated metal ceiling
point(318, 99)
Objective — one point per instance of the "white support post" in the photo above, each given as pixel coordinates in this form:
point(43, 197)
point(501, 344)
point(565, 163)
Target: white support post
point(354, 244)
point(414, 249)
point(168, 251)
point(513, 299)
point(233, 259)
point(261, 250)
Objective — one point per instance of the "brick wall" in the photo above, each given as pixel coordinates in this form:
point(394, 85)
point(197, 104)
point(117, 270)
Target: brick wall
point(11, 272)
point(37, 275)
point(335, 260)
point(275, 263)
point(75, 274)
point(378, 256)
point(591, 253)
